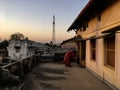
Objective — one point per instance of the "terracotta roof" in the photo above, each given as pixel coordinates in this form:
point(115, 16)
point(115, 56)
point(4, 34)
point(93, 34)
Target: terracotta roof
point(89, 4)
point(92, 6)
point(73, 39)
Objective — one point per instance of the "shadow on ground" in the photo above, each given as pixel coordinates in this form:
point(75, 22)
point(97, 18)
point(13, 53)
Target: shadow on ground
point(47, 86)
point(45, 77)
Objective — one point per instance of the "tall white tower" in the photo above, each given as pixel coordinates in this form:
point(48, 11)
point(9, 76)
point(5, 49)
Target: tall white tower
point(53, 36)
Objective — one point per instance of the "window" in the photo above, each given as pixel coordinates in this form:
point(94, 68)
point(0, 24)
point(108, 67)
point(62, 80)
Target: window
point(93, 49)
point(110, 51)
point(17, 48)
point(83, 50)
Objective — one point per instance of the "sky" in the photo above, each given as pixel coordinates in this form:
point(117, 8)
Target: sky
point(33, 18)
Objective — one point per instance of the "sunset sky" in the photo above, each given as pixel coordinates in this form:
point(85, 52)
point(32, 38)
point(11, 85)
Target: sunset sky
point(33, 18)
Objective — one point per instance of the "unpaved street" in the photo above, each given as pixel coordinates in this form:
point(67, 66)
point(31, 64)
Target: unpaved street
point(55, 76)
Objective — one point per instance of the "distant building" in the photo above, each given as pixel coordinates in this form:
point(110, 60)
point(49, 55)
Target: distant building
point(21, 49)
point(68, 44)
point(98, 24)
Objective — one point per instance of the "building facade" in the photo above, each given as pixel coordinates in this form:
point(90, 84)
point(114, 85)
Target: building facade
point(69, 43)
point(21, 49)
point(99, 26)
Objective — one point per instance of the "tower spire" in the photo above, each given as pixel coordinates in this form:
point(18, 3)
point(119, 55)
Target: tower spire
point(53, 36)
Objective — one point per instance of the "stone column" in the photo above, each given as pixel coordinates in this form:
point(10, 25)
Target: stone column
point(100, 56)
point(87, 52)
point(117, 58)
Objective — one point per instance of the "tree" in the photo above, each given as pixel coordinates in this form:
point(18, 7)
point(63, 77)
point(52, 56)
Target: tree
point(4, 44)
point(16, 36)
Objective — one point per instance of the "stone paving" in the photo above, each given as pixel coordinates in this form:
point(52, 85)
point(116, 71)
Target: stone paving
point(55, 76)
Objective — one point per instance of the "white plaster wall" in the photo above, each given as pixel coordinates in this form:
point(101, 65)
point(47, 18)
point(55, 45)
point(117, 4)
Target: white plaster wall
point(111, 15)
point(109, 18)
point(98, 66)
point(109, 75)
point(117, 63)
point(113, 75)
point(12, 52)
point(107, 21)
point(89, 63)
point(99, 56)
point(87, 53)
point(23, 51)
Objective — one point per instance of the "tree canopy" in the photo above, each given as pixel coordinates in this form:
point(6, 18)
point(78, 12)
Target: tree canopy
point(16, 36)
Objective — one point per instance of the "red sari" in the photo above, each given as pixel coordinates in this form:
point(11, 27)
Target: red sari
point(67, 58)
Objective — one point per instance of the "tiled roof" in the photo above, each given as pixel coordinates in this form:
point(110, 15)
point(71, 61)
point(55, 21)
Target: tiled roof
point(96, 6)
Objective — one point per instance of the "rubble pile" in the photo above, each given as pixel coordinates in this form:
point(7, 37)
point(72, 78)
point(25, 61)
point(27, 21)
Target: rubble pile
point(8, 81)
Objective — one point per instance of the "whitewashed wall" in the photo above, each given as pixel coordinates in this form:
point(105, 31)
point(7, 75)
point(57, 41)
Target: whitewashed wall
point(109, 18)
